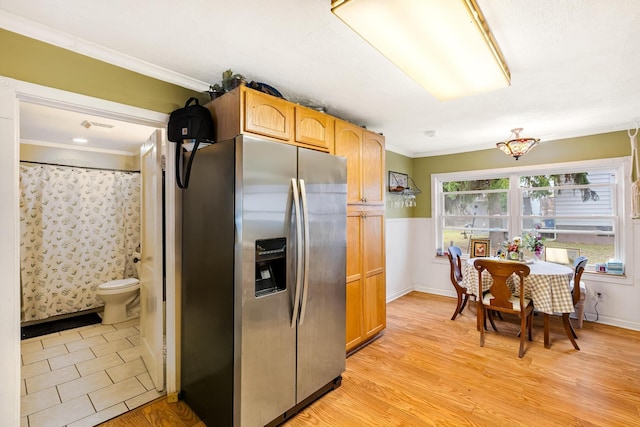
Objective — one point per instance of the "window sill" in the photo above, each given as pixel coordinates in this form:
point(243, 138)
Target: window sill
point(596, 276)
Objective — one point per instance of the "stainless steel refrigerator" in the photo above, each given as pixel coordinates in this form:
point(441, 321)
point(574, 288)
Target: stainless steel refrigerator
point(263, 281)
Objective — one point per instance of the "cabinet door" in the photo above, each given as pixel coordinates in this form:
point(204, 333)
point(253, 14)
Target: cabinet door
point(374, 291)
point(366, 290)
point(268, 115)
point(373, 156)
point(348, 141)
point(354, 281)
point(314, 128)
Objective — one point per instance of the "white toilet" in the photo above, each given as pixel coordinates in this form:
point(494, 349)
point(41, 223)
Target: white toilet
point(117, 295)
point(121, 297)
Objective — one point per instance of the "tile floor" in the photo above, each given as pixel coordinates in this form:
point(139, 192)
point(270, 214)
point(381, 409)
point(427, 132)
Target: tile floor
point(82, 377)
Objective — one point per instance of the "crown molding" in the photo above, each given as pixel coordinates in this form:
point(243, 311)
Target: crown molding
point(399, 150)
point(25, 27)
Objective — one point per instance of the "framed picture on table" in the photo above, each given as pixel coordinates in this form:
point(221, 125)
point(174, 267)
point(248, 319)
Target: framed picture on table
point(565, 256)
point(479, 248)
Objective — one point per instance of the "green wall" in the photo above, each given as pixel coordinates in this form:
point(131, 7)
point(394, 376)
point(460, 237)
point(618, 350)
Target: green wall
point(592, 147)
point(397, 163)
point(37, 62)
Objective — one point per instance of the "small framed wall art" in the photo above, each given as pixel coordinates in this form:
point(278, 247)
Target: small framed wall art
point(479, 248)
point(398, 182)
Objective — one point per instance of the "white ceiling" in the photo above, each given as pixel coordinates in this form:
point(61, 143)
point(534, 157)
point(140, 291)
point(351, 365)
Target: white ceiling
point(40, 123)
point(575, 64)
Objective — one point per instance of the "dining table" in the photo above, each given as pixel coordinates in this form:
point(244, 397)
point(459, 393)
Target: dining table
point(547, 285)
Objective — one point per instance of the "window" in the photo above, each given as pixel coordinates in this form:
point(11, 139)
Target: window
point(478, 208)
point(574, 206)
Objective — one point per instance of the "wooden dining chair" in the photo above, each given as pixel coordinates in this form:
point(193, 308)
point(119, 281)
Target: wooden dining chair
point(578, 288)
point(501, 299)
point(578, 293)
point(454, 253)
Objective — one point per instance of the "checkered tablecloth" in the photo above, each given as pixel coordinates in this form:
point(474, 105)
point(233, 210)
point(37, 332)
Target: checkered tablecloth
point(547, 285)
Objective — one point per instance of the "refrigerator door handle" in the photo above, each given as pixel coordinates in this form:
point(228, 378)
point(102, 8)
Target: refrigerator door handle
point(298, 263)
point(305, 270)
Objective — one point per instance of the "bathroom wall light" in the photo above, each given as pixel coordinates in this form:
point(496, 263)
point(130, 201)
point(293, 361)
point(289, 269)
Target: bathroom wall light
point(445, 45)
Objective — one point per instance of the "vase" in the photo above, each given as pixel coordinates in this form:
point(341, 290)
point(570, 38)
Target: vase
point(537, 256)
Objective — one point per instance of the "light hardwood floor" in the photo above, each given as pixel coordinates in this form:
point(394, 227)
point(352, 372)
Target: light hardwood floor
point(428, 370)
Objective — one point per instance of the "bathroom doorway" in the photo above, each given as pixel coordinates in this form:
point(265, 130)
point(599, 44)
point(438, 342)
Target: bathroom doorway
point(17, 94)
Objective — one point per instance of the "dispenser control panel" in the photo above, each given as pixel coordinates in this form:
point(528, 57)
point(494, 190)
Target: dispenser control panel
point(271, 257)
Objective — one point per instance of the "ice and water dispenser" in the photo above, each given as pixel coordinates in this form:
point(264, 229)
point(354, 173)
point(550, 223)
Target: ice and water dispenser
point(271, 257)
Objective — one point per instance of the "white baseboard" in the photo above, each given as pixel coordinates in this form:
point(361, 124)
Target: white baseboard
point(605, 320)
point(434, 291)
point(397, 294)
point(612, 321)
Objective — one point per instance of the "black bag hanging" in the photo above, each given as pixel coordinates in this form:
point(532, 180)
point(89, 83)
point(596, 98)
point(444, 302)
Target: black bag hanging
point(192, 122)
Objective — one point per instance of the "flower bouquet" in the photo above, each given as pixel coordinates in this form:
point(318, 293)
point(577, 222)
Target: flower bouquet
point(533, 242)
point(511, 249)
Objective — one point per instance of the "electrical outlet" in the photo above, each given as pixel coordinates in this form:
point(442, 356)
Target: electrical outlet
point(599, 296)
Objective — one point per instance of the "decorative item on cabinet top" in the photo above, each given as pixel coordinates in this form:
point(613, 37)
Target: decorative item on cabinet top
point(403, 190)
point(231, 81)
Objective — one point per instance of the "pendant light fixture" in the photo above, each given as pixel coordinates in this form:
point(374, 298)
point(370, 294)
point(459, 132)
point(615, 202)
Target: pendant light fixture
point(517, 146)
point(444, 45)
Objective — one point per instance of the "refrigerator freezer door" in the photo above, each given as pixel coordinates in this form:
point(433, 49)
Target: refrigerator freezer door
point(267, 355)
point(321, 335)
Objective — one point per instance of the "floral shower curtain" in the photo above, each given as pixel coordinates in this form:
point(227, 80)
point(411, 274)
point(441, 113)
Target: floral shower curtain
point(79, 229)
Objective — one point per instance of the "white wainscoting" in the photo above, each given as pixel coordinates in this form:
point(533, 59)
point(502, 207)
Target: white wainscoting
point(412, 265)
point(400, 264)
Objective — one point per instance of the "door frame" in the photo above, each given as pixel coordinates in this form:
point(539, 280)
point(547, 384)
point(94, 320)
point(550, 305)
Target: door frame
point(12, 92)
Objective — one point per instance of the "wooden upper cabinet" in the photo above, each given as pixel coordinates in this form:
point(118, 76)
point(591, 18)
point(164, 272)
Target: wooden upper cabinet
point(268, 115)
point(314, 128)
point(348, 140)
point(248, 111)
point(365, 155)
point(373, 156)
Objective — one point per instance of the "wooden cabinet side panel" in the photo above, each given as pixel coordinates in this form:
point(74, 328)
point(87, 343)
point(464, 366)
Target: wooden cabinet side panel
point(373, 156)
point(267, 115)
point(348, 142)
point(314, 127)
point(225, 111)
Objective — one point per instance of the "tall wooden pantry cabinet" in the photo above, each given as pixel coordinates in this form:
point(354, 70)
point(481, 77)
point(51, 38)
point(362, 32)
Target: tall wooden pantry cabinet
point(366, 289)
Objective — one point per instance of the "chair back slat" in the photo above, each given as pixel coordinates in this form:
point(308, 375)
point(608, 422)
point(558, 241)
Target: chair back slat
point(499, 297)
point(579, 266)
point(500, 272)
point(454, 253)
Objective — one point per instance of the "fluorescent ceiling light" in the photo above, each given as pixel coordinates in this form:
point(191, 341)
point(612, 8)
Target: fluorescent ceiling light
point(80, 140)
point(445, 45)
